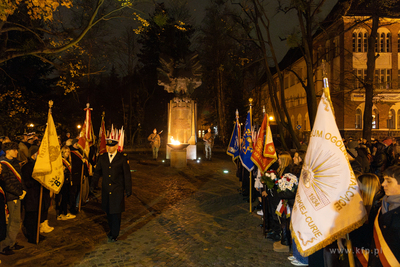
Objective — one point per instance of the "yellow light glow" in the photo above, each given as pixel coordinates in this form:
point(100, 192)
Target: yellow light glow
point(78, 126)
point(174, 142)
point(271, 118)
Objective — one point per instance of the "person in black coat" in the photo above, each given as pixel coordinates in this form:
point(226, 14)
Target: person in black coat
point(114, 168)
point(385, 248)
point(31, 201)
point(77, 161)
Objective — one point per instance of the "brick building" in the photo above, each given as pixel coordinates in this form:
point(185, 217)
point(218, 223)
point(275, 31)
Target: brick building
point(343, 44)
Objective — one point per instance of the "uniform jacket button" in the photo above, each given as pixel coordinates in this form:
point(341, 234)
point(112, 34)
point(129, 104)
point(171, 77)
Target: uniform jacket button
point(110, 193)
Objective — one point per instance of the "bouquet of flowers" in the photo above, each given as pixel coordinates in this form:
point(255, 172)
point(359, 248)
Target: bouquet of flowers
point(269, 178)
point(287, 182)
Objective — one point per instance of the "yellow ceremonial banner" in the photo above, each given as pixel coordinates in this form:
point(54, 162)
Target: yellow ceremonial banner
point(328, 202)
point(48, 168)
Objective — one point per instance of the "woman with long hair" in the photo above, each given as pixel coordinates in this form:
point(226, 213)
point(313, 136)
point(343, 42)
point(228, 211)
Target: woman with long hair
point(371, 194)
point(285, 163)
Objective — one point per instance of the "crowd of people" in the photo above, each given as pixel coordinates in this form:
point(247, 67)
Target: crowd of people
point(20, 192)
point(376, 165)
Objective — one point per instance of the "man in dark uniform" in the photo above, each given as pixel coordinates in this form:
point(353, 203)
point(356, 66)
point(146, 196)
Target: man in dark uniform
point(114, 168)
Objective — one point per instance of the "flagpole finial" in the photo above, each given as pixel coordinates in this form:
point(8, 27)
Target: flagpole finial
point(50, 104)
point(263, 109)
point(103, 114)
point(251, 101)
point(323, 66)
point(87, 105)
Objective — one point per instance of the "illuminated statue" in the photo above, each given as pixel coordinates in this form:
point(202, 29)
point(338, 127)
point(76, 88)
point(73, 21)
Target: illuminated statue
point(180, 77)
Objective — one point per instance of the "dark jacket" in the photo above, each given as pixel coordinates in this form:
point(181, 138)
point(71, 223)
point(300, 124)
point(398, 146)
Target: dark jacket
point(32, 197)
point(379, 163)
point(390, 226)
point(12, 186)
point(361, 162)
point(362, 237)
point(116, 179)
point(76, 166)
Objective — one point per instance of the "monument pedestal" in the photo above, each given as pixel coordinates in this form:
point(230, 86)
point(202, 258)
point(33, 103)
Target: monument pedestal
point(182, 119)
point(178, 157)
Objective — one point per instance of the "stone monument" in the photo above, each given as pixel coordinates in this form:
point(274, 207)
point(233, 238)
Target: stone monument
point(181, 78)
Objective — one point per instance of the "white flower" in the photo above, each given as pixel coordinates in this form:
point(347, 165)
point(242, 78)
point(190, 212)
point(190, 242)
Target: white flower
point(288, 181)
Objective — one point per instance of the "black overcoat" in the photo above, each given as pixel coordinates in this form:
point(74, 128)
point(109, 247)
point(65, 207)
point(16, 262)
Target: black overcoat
point(390, 226)
point(116, 180)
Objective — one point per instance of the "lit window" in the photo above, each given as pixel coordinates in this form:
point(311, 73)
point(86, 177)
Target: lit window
point(358, 119)
point(375, 119)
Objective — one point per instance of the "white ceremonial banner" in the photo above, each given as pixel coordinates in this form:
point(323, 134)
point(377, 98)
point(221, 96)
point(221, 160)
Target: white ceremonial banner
point(328, 202)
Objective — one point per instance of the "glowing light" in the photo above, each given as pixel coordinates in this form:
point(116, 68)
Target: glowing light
point(198, 161)
point(78, 126)
point(199, 158)
point(163, 161)
point(226, 171)
point(271, 118)
point(174, 142)
point(31, 125)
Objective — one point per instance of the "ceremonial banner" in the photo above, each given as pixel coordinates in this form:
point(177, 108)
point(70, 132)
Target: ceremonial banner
point(328, 203)
point(48, 169)
point(121, 139)
point(86, 135)
point(102, 135)
point(264, 153)
point(234, 148)
point(247, 148)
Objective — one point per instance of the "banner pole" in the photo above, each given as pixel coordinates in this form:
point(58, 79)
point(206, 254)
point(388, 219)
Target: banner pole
point(39, 213)
point(350, 251)
point(251, 178)
point(80, 189)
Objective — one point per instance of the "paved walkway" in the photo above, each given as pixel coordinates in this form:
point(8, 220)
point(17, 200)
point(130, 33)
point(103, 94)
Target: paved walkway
point(188, 217)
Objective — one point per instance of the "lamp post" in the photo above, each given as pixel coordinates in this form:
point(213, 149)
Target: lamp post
point(79, 128)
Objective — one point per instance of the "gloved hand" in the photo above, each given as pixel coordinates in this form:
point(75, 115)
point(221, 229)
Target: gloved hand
point(23, 195)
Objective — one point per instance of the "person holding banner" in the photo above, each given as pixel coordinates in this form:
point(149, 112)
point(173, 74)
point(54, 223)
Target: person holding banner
point(385, 249)
point(14, 191)
point(31, 201)
point(114, 168)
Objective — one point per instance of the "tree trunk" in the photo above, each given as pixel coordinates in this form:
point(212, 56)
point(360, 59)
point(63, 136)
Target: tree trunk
point(369, 83)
